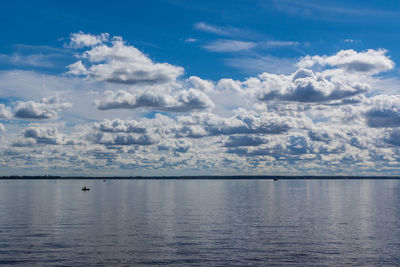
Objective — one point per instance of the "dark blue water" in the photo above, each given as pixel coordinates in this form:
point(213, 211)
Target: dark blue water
point(200, 222)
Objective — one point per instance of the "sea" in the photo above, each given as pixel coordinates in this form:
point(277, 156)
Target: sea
point(207, 222)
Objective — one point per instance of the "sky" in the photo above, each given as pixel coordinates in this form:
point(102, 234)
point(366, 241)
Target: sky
point(174, 87)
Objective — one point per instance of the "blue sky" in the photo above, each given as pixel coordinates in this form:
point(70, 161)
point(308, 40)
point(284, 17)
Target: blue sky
point(199, 87)
point(160, 28)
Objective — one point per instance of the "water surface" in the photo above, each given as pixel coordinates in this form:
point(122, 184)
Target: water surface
point(200, 222)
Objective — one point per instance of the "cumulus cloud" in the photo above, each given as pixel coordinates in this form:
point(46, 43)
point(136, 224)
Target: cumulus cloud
point(77, 68)
point(326, 134)
point(80, 39)
point(385, 111)
point(200, 84)
point(115, 61)
point(181, 101)
point(229, 85)
point(33, 110)
point(176, 146)
point(43, 135)
point(123, 139)
point(306, 86)
point(325, 115)
point(2, 128)
point(393, 137)
point(244, 122)
point(119, 126)
point(45, 109)
point(289, 148)
point(25, 142)
point(369, 61)
point(243, 140)
point(40, 135)
point(321, 135)
point(119, 132)
point(336, 85)
point(5, 112)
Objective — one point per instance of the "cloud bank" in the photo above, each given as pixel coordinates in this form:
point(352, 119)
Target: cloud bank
point(116, 111)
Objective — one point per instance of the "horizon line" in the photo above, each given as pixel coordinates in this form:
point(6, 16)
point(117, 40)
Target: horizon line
point(201, 177)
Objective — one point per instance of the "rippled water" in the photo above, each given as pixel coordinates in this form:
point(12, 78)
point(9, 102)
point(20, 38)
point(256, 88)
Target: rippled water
point(200, 222)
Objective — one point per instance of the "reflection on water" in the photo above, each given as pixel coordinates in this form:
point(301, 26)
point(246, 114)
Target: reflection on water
point(200, 222)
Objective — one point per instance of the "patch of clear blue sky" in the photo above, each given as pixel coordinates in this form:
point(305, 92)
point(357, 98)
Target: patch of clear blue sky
point(160, 28)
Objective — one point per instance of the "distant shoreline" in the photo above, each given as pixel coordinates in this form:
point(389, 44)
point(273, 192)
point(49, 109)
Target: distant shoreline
point(217, 177)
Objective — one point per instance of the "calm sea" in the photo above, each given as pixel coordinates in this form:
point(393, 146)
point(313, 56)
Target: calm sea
point(200, 222)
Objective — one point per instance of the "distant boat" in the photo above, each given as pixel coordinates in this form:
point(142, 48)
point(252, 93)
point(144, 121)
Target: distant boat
point(104, 180)
point(275, 179)
point(85, 188)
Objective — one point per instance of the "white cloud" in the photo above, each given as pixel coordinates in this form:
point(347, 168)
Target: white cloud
point(120, 126)
point(349, 40)
point(5, 112)
point(119, 63)
point(369, 61)
point(225, 45)
point(326, 85)
point(33, 110)
point(80, 39)
point(335, 117)
point(244, 140)
point(202, 26)
point(227, 31)
point(392, 136)
point(45, 109)
point(176, 146)
point(24, 142)
point(123, 139)
point(301, 86)
point(280, 43)
point(200, 84)
point(77, 68)
point(40, 135)
point(43, 135)
point(306, 86)
point(32, 60)
point(229, 46)
point(384, 111)
point(181, 101)
point(229, 85)
point(244, 122)
point(190, 40)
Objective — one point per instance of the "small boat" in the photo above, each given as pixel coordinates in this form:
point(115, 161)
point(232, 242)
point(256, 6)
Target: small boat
point(104, 180)
point(85, 188)
point(275, 179)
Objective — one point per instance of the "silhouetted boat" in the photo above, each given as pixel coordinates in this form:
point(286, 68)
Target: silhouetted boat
point(85, 188)
point(275, 179)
